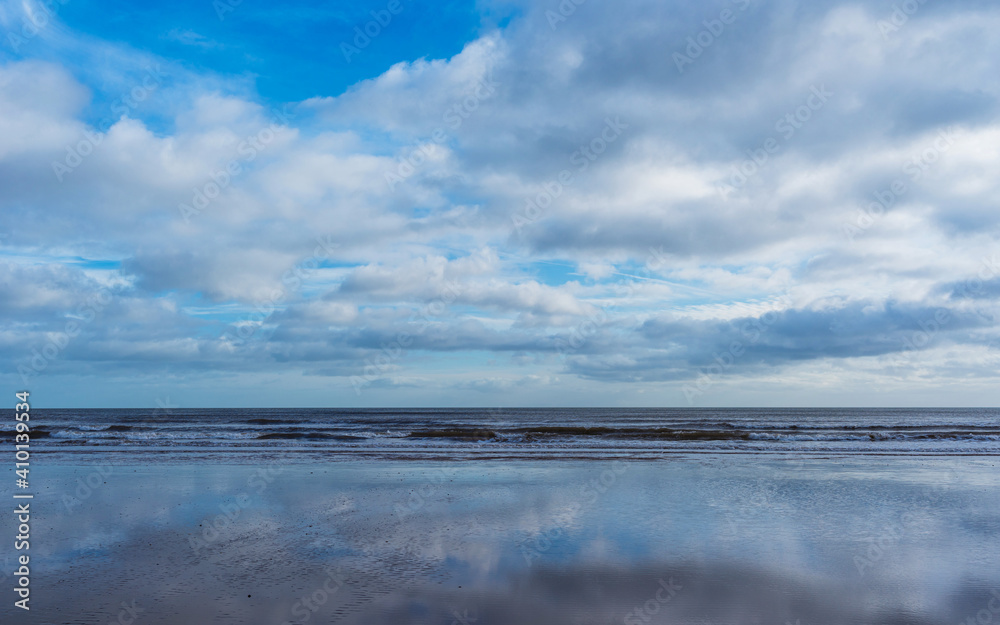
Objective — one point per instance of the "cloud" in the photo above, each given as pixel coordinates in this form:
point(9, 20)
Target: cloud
point(559, 198)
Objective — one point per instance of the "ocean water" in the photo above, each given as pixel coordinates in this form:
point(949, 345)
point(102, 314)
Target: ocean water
point(696, 516)
point(500, 433)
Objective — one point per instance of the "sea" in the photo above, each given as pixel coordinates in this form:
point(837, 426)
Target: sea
point(568, 516)
point(234, 435)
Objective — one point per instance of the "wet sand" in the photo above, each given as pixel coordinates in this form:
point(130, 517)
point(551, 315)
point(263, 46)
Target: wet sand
point(717, 539)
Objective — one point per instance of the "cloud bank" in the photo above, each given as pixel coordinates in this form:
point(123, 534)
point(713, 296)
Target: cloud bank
point(638, 203)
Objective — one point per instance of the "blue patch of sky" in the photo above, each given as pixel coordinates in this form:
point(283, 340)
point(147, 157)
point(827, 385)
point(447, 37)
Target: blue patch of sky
point(291, 51)
point(556, 273)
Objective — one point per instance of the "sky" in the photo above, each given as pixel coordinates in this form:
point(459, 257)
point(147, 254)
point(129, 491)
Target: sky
point(500, 203)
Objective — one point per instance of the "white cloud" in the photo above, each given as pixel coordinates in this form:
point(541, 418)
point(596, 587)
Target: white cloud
point(444, 237)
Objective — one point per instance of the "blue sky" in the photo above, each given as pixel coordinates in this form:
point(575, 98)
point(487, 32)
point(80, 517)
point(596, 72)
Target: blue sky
point(500, 203)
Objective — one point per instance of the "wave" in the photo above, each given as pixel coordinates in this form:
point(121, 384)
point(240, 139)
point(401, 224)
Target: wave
point(529, 432)
point(791, 434)
point(651, 433)
point(36, 433)
point(456, 433)
point(324, 436)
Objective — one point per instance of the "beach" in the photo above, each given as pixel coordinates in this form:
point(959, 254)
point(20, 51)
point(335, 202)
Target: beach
point(698, 538)
point(500, 312)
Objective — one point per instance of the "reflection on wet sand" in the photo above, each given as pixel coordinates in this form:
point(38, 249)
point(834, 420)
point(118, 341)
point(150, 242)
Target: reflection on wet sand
point(704, 541)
